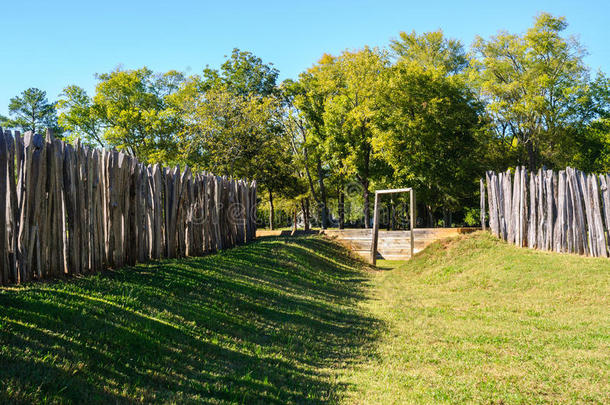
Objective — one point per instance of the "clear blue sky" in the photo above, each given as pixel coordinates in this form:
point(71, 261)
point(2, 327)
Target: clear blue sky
point(50, 44)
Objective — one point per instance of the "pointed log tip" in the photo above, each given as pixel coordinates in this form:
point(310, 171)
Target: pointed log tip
point(49, 136)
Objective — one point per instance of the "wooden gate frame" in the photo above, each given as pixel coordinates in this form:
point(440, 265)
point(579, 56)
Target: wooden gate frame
point(373, 257)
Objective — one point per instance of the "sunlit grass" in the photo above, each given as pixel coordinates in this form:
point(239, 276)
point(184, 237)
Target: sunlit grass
point(272, 322)
point(477, 320)
point(298, 320)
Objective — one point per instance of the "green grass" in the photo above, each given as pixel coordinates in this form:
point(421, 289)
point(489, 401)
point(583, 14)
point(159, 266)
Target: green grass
point(271, 322)
point(474, 320)
point(298, 320)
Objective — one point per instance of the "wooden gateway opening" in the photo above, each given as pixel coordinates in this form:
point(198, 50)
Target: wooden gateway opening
point(375, 235)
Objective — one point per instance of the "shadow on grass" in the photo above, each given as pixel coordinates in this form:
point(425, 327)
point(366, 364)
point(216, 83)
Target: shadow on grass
point(263, 323)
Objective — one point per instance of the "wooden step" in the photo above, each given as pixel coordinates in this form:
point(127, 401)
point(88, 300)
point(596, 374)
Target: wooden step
point(391, 245)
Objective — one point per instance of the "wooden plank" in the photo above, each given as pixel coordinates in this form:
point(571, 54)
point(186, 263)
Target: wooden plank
point(12, 207)
point(579, 212)
point(23, 228)
point(605, 196)
point(561, 229)
point(540, 229)
point(212, 213)
point(555, 196)
point(482, 203)
point(412, 208)
point(157, 212)
point(80, 209)
point(4, 260)
point(49, 259)
point(549, 215)
point(246, 200)
point(499, 204)
point(181, 211)
point(253, 211)
point(491, 199)
point(513, 211)
point(592, 247)
point(142, 219)
point(131, 214)
point(90, 209)
point(205, 235)
point(393, 191)
point(73, 239)
point(98, 218)
point(523, 208)
point(114, 230)
point(374, 242)
point(217, 213)
point(172, 193)
point(532, 222)
point(243, 189)
point(594, 196)
point(60, 207)
point(56, 212)
point(25, 184)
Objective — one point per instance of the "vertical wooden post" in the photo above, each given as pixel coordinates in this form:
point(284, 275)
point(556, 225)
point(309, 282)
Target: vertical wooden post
point(482, 188)
point(373, 258)
point(4, 260)
point(412, 212)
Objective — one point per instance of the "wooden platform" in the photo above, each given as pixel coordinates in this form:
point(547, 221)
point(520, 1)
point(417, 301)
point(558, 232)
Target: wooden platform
point(392, 245)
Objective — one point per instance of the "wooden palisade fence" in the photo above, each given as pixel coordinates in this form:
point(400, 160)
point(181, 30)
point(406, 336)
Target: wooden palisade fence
point(566, 211)
point(69, 209)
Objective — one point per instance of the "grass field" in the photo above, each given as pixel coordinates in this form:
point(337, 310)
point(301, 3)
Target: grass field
point(475, 320)
point(297, 320)
point(271, 322)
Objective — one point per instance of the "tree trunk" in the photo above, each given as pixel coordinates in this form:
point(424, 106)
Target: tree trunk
point(531, 156)
point(365, 197)
point(294, 221)
point(392, 216)
point(305, 208)
point(341, 208)
point(323, 206)
point(430, 217)
point(271, 212)
point(364, 180)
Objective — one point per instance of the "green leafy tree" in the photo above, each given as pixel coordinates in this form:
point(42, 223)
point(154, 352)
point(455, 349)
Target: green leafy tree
point(134, 109)
point(431, 50)
point(304, 121)
point(429, 131)
point(80, 116)
point(32, 111)
point(533, 84)
point(244, 74)
point(232, 124)
point(226, 132)
point(353, 83)
point(591, 149)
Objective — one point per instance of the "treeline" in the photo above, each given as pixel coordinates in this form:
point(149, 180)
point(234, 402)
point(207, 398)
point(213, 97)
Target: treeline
point(424, 112)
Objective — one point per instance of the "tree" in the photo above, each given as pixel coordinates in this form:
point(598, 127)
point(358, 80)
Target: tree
point(226, 132)
point(232, 125)
point(532, 83)
point(133, 107)
point(304, 102)
point(431, 50)
point(352, 83)
point(237, 136)
point(80, 116)
point(591, 149)
point(31, 111)
point(428, 130)
point(244, 74)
